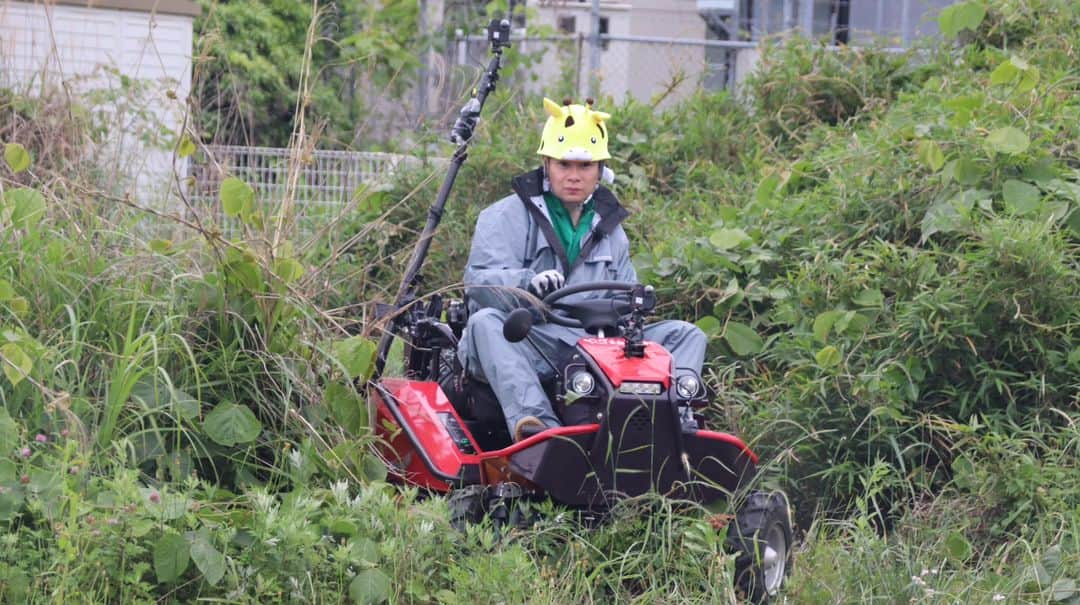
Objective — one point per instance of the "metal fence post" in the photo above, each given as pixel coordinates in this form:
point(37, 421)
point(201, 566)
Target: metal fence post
point(905, 18)
point(594, 52)
point(806, 15)
point(425, 56)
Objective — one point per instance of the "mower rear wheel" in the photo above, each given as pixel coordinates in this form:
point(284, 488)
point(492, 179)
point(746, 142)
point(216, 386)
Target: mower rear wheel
point(761, 540)
point(466, 506)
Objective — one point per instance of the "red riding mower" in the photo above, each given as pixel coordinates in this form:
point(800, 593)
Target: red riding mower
point(631, 420)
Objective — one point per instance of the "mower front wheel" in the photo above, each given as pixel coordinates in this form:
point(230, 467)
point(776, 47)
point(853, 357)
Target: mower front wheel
point(761, 540)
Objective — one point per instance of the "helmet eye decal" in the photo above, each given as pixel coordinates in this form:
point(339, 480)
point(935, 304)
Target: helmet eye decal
point(561, 138)
point(592, 140)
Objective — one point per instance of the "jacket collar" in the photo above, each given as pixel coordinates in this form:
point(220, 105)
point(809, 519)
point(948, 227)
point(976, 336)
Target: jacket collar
point(612, 213)
point(530, 186)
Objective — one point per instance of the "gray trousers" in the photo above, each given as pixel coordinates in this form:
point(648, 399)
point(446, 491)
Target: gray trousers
point(513, 368)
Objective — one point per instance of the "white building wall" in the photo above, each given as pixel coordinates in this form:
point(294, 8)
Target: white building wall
point(637, 69)
point(86, 50)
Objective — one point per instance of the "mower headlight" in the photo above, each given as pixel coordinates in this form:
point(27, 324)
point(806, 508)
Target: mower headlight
point(687, 387)
point(582, 383)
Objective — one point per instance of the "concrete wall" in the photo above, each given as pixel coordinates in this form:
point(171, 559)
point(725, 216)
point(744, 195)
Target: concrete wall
point(86, 50)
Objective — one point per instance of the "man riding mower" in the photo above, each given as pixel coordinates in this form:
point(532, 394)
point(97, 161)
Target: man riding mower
point(548, 382)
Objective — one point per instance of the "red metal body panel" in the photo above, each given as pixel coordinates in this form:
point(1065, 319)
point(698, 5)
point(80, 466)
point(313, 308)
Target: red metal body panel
point(420, 403)
point(608, 353)
point(404, 460)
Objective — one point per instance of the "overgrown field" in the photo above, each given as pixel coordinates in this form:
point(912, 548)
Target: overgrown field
point(884, 248)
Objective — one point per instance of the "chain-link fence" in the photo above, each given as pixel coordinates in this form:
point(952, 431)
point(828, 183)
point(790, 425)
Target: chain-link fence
point(648, 68)
point(326, 181)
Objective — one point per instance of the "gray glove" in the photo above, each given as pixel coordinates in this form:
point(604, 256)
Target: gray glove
point(546, 282)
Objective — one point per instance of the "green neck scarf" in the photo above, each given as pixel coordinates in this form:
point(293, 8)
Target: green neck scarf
point(569, 235)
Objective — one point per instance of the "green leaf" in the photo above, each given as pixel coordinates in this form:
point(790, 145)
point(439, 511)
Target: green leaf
point(967, 172)
point(9, 432)
point(210, 562)
point(237, 197)
point(27, 206)
point(19, 306)
point(969, 15)
point(289, 270)
point(1074, 357)
point(228, 424)
point(184, 405)
point(356, 354)
point(930, 154)
point(161, 246)
point(346, 407)
point(952, 214)
point(947, 21)
point(373, 468)
point(6, 291)
point(957, 547)
point(170, 505)
point(186, 147)
point(370, 586)
point(1051, 559)
point(17, 157)
point(1063, 589)
point(1004, 73)
point(17, 364)
point(1028, 80)
point(709, 324)
point(171, 557)
point(726, 239)
point(1020, 197)
point(364, 552)
point(828, 356)
point(823, 323)
point(742, 339)
point(871, 297)
point(767, 189)
point(1008, 140)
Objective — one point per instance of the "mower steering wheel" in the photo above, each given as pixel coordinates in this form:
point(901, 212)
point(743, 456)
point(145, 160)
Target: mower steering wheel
point(551, 302)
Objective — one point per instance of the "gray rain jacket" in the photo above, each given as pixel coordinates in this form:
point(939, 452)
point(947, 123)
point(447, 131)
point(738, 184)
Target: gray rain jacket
point(514, 240)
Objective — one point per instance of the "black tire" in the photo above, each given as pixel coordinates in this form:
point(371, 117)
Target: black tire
point(466, 506)
point(760, 538)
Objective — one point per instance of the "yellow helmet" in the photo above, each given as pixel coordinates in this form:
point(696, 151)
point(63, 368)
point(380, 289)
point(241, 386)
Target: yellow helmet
point(574, 132)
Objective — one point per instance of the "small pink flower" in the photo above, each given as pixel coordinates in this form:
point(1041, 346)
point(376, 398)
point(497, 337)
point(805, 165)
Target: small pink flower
point(74, 470)
point(24, 479)
point(25, 452)
point(155, 497)
point(64, 432)
point(41, 438)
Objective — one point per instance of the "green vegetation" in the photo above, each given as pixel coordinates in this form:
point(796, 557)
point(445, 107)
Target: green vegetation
point(885, 249)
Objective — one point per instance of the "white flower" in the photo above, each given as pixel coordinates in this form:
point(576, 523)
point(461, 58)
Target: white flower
point(340, 490)
point(998, 597)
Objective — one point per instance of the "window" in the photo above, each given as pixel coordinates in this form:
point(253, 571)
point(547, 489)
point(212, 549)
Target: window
point(567, 24)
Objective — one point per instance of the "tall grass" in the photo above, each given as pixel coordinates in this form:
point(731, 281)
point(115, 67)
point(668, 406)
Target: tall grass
point(179, 418)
